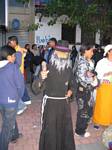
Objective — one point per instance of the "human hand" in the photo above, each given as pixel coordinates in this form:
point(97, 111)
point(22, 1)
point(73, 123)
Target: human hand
point(89, 74)
point(44, 74)
point(69, 93)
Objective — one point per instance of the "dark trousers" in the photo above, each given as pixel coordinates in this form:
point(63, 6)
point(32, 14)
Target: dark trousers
point(85, 109)
point(82, 121)
point(9, 130)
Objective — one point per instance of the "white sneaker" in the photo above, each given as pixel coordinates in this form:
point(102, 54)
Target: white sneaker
point(87, 134)
point(21, 110)
point(77, 135)
point(28, 102)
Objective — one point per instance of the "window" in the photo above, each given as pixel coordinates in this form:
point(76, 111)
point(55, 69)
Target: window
point(68, 33)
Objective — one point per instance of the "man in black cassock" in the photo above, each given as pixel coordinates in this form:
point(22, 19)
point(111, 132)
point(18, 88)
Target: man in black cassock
point(56, 80)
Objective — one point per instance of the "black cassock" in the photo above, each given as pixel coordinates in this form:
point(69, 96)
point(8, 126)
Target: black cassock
point(57, 129)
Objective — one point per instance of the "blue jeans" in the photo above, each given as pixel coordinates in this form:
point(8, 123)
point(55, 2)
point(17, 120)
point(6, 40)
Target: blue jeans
point(37, 70)
point(21, 105)
point(26, 96)
point(9, 129)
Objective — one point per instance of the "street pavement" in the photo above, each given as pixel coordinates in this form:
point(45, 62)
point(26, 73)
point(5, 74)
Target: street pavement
point(29, 125)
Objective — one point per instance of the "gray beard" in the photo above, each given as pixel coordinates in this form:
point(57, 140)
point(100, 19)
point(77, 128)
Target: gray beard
point(60, 63)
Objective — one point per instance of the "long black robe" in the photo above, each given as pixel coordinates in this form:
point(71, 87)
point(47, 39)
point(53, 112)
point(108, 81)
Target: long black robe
point(57, 130)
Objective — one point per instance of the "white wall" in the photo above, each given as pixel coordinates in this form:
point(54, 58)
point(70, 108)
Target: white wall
point(45, 32)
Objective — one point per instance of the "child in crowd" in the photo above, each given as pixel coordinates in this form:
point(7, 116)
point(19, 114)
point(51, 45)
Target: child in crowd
point(11, 90)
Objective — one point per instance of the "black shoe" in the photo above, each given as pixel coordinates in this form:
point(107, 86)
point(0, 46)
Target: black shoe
point(14, 140)
point(96, 127)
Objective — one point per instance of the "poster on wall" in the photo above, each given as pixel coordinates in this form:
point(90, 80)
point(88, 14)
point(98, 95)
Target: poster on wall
point(45, 32)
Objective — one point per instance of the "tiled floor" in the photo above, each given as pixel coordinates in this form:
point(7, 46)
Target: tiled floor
point(29, 125)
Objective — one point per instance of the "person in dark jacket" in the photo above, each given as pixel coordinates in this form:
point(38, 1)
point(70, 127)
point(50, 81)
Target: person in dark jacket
point(29, 58)
point(73, 55)
point(98, 53)
point(51, 47)
point(11, 90)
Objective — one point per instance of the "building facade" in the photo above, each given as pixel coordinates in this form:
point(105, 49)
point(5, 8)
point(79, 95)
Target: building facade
point(20, 17)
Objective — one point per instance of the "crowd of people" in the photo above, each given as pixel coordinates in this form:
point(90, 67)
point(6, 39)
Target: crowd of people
point(63, 75)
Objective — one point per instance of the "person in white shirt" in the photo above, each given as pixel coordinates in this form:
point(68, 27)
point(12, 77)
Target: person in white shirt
point(103, 107)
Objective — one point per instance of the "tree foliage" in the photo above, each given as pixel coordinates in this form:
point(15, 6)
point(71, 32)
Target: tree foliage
point(90, 14)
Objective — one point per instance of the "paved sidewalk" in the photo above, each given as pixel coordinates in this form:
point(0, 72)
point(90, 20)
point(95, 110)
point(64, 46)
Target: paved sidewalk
point(93, 146)
point(29, 125)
